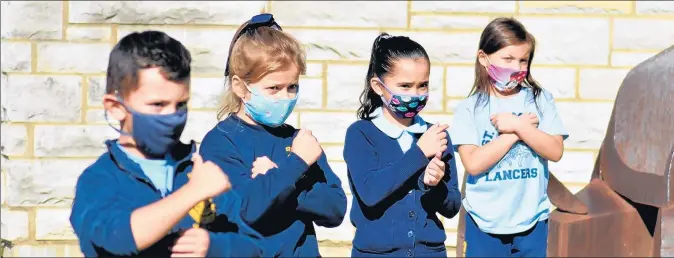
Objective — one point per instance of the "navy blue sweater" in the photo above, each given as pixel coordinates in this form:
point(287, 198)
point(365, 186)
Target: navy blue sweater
point(114, 186)
point(394, 212)
point(282, 204)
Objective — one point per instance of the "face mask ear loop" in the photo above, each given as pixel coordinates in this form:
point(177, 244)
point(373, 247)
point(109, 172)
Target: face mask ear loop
point(105, 115)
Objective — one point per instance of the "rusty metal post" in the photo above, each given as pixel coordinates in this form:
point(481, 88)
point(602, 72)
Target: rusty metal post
point(630, 197)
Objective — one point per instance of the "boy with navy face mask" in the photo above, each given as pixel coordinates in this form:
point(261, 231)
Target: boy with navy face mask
point(134, 199)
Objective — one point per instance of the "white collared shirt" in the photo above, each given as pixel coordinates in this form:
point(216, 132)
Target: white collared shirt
point(403, 135)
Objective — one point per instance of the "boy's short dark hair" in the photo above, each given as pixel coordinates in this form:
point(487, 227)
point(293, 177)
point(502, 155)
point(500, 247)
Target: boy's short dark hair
point(142, 50)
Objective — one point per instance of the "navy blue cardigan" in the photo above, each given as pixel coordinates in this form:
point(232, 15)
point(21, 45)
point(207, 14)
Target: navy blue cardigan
point(394, 212)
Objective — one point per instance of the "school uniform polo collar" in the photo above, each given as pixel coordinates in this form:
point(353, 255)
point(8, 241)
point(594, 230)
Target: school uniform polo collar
point(180, 153)
point(418, 125)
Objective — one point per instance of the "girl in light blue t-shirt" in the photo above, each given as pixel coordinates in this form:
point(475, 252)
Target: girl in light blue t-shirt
point(505, 133)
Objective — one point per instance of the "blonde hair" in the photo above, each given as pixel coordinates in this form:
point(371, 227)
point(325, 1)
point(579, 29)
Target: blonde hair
point(255, 54)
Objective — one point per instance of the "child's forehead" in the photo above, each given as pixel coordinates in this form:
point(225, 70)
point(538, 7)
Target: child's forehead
point(153, 85)
point(518, 50)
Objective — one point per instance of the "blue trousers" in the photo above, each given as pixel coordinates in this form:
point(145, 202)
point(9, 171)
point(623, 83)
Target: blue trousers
point(530, 243)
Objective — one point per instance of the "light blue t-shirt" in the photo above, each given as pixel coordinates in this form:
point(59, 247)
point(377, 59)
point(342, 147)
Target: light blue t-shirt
point(160, 171)
point(512, 195)
point(402, 135)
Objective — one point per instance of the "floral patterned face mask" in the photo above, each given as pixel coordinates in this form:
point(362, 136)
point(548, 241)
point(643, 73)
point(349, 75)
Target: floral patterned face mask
point(403, 105)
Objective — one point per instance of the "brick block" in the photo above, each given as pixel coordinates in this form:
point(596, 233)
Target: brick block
point(335, 153)
point(630, 59)
point(53, 224)
point(16, 56)
point(561, 82)
point(336, 44)
point(643, 33)
point(72, 57)
point(88, 33)
point(42, 182)
point(206, 92)
point(601, 83)
point(96, 91)
point(14, 225)
point(655, 7)
point(14, 139)
point(32, 19)
point(585, 122)
point(459, 80)
point(460, 7)
point(310, 94)
point(327, 127)
point(449, 22)
point(575, 167)
point(594, 7)
point(32, 98)
point(447, 47)
point(72, 140)
point(164, 12)
point(569, 40)
point(340, 14)
point(345, 84)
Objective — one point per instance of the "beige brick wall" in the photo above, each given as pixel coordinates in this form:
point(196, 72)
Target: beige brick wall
point(54, 56)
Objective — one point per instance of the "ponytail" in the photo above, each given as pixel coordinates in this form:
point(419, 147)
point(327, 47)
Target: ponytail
point(386, 49)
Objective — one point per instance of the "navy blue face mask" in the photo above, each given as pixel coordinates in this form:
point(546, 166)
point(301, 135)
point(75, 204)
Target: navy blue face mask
point(155, 135)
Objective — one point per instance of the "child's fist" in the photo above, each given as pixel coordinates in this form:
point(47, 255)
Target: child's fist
point(208, 177)
point(306, 146)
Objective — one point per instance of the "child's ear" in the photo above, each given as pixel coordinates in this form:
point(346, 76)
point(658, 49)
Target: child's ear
point(115, 109)
point(376, 86)
point(482, 58)
point(239, 87)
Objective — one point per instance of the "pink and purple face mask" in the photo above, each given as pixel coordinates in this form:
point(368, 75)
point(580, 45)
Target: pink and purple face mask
point(506, 79)
point(404, 105)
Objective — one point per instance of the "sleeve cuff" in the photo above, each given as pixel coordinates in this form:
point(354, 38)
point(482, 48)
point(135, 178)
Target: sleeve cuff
point(122, 240)
point(422, 186)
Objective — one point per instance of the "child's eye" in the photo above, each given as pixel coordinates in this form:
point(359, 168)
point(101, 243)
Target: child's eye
point(182, 105)
point(293, 87)
point(157, 104)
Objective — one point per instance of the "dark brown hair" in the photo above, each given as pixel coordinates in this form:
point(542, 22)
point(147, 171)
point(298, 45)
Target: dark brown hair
point(386, 49)
point(500, 33)
point(141, 50)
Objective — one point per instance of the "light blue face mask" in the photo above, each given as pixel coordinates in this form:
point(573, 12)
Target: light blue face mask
point(268, 111)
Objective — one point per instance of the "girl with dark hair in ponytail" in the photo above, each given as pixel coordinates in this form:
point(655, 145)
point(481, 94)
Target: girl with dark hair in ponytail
point(400, 170)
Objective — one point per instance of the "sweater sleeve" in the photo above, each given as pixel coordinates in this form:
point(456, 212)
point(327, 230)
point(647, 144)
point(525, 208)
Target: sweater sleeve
point(324, 198)
point(371, 183)
point(258, 195)
point(230, 235)
point(445, 196)
point(98, 218)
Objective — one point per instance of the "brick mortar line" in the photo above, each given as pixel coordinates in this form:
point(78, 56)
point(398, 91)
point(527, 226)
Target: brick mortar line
point(611, 35)
point(84, 107)
point(65, 5)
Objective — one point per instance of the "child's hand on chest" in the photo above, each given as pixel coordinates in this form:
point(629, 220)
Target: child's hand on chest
point(261, 165)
